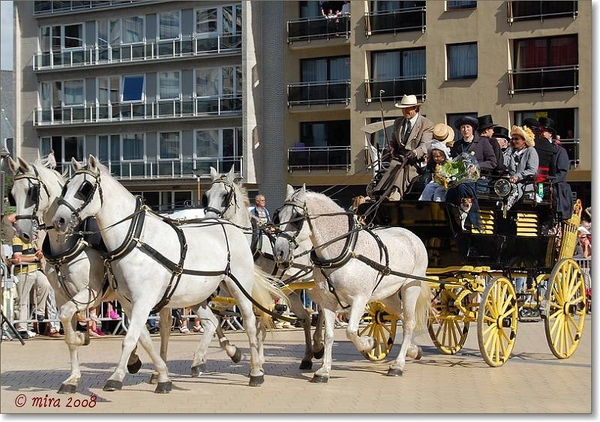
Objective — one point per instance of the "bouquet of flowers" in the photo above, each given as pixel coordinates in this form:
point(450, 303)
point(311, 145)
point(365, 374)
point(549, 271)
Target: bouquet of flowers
point(461, 169)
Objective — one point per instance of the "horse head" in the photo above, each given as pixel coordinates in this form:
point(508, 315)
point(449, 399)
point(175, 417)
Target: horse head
point(225, 198)
point(81, 196)
point(35, 189)
point(290, 219)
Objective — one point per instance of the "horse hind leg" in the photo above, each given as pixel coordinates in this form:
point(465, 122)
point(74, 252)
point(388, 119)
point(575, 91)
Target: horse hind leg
point(322, 374)
point(297, 307)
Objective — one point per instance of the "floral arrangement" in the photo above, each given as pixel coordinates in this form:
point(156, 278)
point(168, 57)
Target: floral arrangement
point(461, 169)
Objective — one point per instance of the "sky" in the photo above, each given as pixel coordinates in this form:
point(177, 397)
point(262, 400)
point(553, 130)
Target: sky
point(6, 29)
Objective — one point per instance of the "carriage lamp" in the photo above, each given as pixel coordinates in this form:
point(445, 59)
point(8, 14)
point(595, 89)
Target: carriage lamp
point(503, 187)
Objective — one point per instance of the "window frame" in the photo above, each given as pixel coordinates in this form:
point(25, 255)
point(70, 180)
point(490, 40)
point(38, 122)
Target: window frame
point(449, 66)
point(159, 140)
point(124, 80)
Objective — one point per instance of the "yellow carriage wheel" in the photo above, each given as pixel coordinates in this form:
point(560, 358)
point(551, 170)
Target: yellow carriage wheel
point(497, 321)
point(565, 308)
point(381, 325)
point(448, 327)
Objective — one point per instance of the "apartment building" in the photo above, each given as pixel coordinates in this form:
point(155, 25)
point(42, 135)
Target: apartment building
point(161, 91)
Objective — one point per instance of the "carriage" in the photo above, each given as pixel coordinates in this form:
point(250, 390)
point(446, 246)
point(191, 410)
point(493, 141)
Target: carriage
point(518, 267)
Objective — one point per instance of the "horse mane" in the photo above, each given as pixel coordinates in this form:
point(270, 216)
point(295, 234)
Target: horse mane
point(323, 202)
point(243, 194)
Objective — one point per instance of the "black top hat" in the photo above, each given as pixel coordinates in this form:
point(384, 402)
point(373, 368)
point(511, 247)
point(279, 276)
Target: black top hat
point(548, 124)
point(466, 120)
point(531, 123)
point(501, 132)
point(485, 122)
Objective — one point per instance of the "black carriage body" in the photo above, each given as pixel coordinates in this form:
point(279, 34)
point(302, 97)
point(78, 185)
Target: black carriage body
point(519, 241)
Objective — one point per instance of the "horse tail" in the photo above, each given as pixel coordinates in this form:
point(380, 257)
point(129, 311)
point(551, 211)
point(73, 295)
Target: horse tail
point(423, 308)
point(264, 291)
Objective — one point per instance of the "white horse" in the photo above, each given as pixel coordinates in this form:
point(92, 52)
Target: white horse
point(360, 266)
point(228, 200)
point(76, 270)
point(159, 265)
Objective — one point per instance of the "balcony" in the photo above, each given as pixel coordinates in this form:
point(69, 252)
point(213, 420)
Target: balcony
point(540, 10)
point(186, 167)
point(394, 89)
point(394, 21)
point(559, 78)
point(313, 93)
point(309, 29)
point(42, 8)
point(225, 106)
point(192, 46)
point(318, 158)
point(572, 147)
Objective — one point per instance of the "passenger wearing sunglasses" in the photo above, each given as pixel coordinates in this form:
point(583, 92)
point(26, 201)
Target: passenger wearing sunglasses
point(523, 162)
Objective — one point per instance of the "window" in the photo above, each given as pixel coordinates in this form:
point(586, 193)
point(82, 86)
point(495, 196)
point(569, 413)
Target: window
point(58, 37)
point(133, 146)
point(546, 52)
point(226, 20)
point(168, 25)
point(133, 88)
point(462, 61)
point(109, 151)
point(325, 69)
point(73, 92)
point(219, 81)
point(73, 148)
point(206, 20)
point(109, 32)
point(168, 85)
point(456, 5)
point(398, 63)
point(133, 30)
point(219, 148)
point(325, 134)
point(169, 145)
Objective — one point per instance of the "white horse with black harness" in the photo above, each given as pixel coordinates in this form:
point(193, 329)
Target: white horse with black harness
point(227, 199)
point(159, 265)
point(359, 265)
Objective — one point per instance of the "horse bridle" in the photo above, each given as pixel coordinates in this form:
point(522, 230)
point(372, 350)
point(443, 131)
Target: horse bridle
point(33, 194)
point(297, 221)
point(229, 200)
point(85, 192)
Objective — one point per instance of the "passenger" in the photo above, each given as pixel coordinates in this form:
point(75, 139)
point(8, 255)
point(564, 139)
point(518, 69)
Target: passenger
point(523, 163)
point(438, 155)
point(502, 136)
point(408, 148)
point(486, 131)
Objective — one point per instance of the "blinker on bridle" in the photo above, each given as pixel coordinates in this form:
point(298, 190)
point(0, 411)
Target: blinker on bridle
point(85, 193)
point(227, 200)
point(33, 194)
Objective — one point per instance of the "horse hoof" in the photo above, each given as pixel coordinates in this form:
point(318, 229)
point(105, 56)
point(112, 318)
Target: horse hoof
point(86, 338)
point(318, 354)
point(394, 372)
point(112, 385)
point(319, 379)
point(134, 367)
point(237, 356)
point(67, 389)
point(153, 379)
point(198, 370)
point(306, 364)
point(164, 387)
point(256, 381)
point(419, 353)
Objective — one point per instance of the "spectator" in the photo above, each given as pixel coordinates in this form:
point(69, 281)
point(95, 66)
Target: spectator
point(411, 137)
point(346, 8)
point(583, 249)
point(27, 261)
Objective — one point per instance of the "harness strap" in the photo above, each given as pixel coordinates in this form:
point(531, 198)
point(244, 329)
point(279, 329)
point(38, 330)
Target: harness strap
point(345, 255)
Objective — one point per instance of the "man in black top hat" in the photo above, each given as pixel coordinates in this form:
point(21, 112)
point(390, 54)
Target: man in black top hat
point(486, 131)
point(502, 136)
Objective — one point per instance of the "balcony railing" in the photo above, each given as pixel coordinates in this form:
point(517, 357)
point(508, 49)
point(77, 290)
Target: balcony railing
point(394, 21)
point(313, 93)
point(53, 7)
point(120, 112)
point(572, 147)
point(559, 78)
point(394, 89)
point(309, 29)
point(534, 10)
point(318, 158)
point(192, 46)
point(186, 167)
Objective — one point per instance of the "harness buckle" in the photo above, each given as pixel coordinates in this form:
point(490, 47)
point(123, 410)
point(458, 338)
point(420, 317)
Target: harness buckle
point(385, 271)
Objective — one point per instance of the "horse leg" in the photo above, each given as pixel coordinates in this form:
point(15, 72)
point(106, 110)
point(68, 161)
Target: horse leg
point(297, 307)
point(137, 331)
point(363, 344)
point(257, 375)
point(210, 324)
point(165, 322)
point(322, 374)
point(318, 346)
point(410, 295)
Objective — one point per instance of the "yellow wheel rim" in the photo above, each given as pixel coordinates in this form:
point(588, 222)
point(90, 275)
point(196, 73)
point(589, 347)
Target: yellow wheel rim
point(381, 325)
point(448, 327)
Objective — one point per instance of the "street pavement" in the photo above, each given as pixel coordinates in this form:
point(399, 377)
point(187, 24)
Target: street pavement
point(533, 381)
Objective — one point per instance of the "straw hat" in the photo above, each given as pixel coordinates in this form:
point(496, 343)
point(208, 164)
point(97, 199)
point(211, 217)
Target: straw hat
point(408, 101)
point(525, 133)
point(443, 133)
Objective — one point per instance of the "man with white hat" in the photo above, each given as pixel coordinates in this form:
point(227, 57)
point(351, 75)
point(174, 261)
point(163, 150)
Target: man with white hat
point(410, 140)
